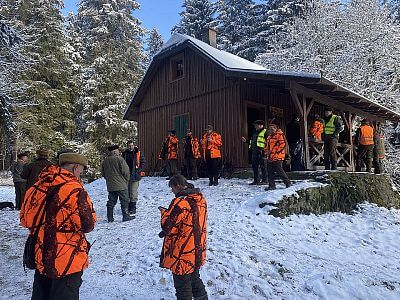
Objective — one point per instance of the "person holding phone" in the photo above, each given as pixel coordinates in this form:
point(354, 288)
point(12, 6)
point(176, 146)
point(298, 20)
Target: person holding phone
point(184, 229)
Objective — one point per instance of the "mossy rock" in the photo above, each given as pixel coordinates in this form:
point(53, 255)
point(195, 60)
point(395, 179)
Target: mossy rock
point(342, 194)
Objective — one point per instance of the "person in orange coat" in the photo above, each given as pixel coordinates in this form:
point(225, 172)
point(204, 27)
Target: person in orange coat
point(317, 128)
point(184, 229)
point(169, 153)
point(60, 208)
point(276, 151)
point(211, 144)
point(364, 141)
point(191, 153)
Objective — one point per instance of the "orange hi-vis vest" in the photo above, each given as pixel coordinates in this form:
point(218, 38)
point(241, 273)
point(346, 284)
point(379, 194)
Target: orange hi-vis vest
point(366, 135)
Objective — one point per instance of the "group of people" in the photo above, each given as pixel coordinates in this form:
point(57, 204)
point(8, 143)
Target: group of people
point(210, 143)
point(58, 211)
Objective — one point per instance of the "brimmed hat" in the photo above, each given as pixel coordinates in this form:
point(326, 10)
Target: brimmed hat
point(328, 108)
point(172, 131)
point(259, 122)
point(42, 152)
point(113, 147)
point(209, 127)
point(72, 158)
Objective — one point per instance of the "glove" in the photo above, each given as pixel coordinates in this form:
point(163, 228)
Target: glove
point(161, 234)
point(142, 174)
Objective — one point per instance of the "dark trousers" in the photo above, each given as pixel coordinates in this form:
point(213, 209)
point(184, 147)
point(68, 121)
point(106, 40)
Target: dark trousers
point(257, 159)
point(65, 288)
point(20, 188)
point(330, 157)
point(188, 286)
point(378, 162)
point(276, 167)
point(191, 168)
point(172, 167)
point(123, 198)
point(364, 154)
point(213, 166)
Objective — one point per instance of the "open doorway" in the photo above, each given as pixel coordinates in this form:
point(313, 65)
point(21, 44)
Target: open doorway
point(254, 112)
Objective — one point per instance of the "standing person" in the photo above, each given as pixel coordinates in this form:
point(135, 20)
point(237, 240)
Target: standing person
point(317, 128)
point(295, 142)
point(333, 127)
point(191, 153)
point(276, 144)
point(32, 170)
point(364, 141)
point(19, 183)
point(116, 172)
point(257, 146)
point(379, 150)
point(169, 152)
point(135, 161)
point(184, 229)
point(60, 209)
point(211, 144)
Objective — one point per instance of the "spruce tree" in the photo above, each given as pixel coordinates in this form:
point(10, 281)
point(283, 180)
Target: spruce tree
point(154, 44)
point(47, 117)
point(196, 17)
point(234, 24)
point(111, 47)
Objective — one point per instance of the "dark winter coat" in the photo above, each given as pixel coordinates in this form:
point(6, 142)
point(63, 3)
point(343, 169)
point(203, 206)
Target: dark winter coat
point(136, 163)
point(293, 132)
point(116, 172)
point(31, 171)
point(16, 170)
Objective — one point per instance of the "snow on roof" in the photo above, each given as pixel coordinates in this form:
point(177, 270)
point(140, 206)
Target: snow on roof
point(228, 60)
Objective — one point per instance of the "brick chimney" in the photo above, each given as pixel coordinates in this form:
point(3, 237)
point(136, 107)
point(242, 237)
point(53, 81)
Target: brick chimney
point(210, 37)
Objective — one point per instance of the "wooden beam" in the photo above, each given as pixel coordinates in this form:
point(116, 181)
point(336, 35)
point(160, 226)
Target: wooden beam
point(297, 88)
point(296, 101)
point(309, 107)
point(305, 132)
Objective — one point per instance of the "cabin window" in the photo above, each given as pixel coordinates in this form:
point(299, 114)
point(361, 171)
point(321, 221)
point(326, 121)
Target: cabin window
point(177, 67)
point(181, 124)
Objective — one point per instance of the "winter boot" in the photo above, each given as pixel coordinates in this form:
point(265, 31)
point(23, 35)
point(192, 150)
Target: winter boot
point(125, 214)
point(270, 188)
point(110, 214)
point(215, 181)
point(132, 208)
point(205, 297)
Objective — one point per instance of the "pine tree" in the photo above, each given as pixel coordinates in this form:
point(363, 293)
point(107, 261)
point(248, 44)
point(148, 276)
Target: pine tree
point(111, 47)
point(234, 24)
point(154, 44)
point(196, 18)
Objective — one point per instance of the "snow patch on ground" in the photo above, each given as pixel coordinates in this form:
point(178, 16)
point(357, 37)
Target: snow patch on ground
point(251, 255)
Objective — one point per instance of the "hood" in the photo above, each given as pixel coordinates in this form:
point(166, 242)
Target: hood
point(54, 175)
point(192, 192)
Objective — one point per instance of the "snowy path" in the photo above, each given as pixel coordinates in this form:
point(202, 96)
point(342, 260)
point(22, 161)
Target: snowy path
point(251, 255)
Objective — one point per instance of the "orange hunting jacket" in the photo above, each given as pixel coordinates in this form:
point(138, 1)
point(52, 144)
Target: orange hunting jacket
point(170, 148)
point(212, 146)
point(184, 224)
point(276, 145)
point(61, 248)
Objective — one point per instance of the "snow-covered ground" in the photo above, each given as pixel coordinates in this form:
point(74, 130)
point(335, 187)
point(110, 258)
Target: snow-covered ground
point(251, 255)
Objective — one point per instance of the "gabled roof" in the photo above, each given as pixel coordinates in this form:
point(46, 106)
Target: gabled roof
point(236, 66)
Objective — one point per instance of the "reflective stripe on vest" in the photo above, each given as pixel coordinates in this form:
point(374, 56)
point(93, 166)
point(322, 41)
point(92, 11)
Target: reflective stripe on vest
point(367, 135)
point(260, 139)
point(330, 126)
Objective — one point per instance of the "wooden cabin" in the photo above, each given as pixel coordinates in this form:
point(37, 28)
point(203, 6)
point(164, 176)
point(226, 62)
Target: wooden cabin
point(190, 84)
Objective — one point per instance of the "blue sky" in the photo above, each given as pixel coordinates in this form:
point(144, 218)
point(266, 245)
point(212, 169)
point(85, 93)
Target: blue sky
point(161, 14)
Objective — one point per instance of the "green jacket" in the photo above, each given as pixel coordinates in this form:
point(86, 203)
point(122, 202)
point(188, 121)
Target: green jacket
point(116, 172)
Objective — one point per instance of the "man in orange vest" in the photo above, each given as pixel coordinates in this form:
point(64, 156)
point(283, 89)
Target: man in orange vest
point(211, 144)
point(169, 153)
point(184, 229)
point(364, 140)
point(276, 151)
point(135, 160)
point(191, 153)
point(59, 211)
